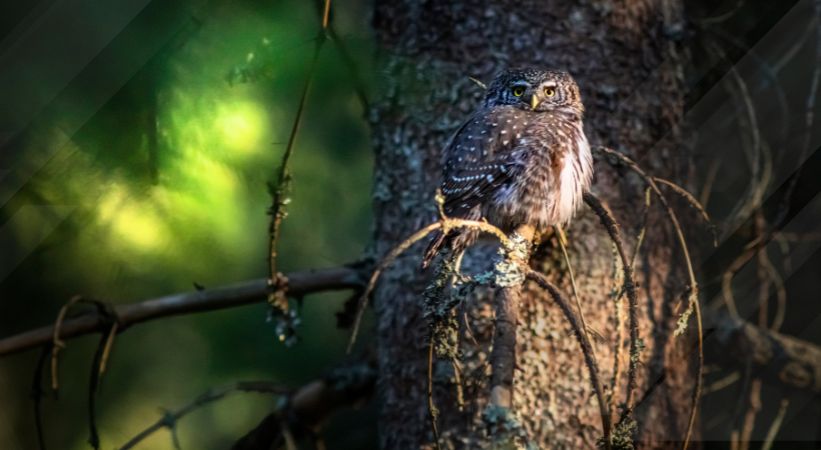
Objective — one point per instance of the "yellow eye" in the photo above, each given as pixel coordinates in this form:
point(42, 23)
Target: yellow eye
point(518, 91)
point(549, 92)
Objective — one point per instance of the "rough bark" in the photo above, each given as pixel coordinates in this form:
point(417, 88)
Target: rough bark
point(629, 71)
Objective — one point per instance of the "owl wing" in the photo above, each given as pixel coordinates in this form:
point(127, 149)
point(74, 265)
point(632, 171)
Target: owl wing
point(477, 163)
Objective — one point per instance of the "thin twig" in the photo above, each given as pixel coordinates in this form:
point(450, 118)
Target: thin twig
point(757, 186)
point(612, 228)
point(773, 431)
point(445, 224)
point(693, 203)
point(709, 179)
point(749, 417)
point(587, 349)
point(809, 119)
point(693, 294)
point(37, 395)
point(780, 293)
point(573, 285)
point(719, 18)
point(170, 418)
point(56, 343)
point(643, 231)
point(722, 383)
point(93, 386)
point(279, 195)
point(433, 412)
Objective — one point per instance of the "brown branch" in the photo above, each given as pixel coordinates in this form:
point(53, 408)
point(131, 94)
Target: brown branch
point(779, 417)
point(503, 355)
point(694, 306)
point(433, 412)
point(310, 405)
point(279, 195)
point(774, 357)
point(629, 287)
point(297, 284)
point(445, 224)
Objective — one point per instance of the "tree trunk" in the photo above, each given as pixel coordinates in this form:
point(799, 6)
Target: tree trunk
point(629, 68)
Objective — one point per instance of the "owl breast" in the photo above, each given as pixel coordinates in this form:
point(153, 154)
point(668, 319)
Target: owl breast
point(556, 169)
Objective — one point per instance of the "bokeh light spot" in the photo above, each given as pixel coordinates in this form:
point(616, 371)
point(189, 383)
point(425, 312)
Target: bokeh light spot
point(241, 125)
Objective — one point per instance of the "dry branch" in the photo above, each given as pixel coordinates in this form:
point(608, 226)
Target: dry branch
point(694, 306)
point(310, 405)
point(629, 287)
point(587, 349)
point(774, 357)
point(297, 284)
point(170, 418)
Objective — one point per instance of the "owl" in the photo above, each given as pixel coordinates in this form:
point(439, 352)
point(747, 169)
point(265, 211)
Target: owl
point(521, 159)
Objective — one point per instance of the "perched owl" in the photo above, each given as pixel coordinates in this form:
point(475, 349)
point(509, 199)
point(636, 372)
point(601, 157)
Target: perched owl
point(521, 159)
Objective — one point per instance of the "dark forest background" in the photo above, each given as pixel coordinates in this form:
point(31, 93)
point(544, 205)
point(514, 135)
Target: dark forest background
point(137, 140)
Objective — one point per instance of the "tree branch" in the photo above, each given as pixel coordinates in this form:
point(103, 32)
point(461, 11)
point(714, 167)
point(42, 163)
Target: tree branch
point(311, 404)
point(295, 284)
point(503, 355)
point(775, 357)
point(170, 418)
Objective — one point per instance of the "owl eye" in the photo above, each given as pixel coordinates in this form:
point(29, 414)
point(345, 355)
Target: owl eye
point(549, 92)
point(518, 91)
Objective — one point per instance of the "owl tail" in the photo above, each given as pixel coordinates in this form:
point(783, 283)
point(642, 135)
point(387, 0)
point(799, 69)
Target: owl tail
point(433, 249)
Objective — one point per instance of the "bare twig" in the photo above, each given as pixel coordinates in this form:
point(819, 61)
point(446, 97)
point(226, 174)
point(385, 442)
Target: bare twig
point(612, 228)
point(56, 343)
point(310, 405)
point(445, 224)
point(170, 418)
point(749, 417)
point(587, 349)
point(693, 203)
point(643, 231)
point(279, 195)
point(93, 386)
point(693, 294)
point(709, 180)
point(757, 185)
point(571, 274)
point(809, 118)
point(776, 358)
point(433, 412)
point(37, 395)
point(780, 292)
point(298, 284)
point(719, 18)
point(722, 383)
point(779, 417)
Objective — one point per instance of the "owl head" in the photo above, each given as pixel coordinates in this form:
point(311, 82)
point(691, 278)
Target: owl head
point(535, 90)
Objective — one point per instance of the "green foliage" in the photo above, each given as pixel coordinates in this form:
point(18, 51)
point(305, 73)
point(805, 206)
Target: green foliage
point(167, 188)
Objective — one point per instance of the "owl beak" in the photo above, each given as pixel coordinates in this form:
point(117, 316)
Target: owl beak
point(534, 101)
